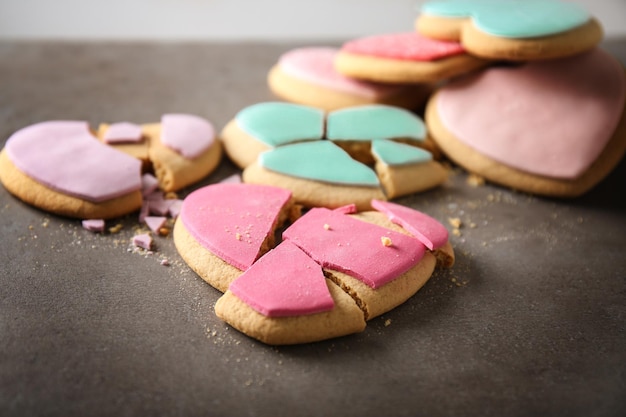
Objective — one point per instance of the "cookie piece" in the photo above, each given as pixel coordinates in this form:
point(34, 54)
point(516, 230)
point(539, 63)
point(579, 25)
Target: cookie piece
point(512, 30)
point(326, 159)
point(181, 149)
point(223, 228)
point(404, 58)
point(334, 271)
point(307, 76)
point(404, 169)
point(61, 166)
point(554, 128)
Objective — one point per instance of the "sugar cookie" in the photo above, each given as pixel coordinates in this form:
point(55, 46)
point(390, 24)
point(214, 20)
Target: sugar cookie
point(404, 58)
point(554, 128)
point(307, 76)
point(61, 166)
point(318, 280)
point(326, 159)
point(512, 30)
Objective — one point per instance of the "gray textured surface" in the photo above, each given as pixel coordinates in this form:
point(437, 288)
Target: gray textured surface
point(531, 320)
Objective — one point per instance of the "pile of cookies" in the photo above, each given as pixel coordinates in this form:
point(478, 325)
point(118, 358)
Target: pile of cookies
point(517, 92)
point(308, 247)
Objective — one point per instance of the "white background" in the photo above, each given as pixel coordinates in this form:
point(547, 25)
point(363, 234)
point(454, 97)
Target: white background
point(274, 20)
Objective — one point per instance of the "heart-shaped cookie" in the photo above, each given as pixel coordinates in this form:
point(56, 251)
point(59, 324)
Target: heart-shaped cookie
point(556, 124)
point(516, 30)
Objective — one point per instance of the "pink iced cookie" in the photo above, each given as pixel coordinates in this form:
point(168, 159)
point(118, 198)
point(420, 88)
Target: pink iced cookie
point(284, 282)
point(308, 76)
point(426, 229)
point(553, 127)
point(404, 57)
point(66, 157)
point(316, 65)
point(233, 220)
point(340, 242)
point(408, 46)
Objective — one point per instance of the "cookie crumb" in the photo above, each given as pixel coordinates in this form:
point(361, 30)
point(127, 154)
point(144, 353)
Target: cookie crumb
point(116, 228)
point(475, 180)
point(143, 241)
point(165, 262)
point(455, 222)
point(238, 236)
point(326, 226)
point(386, 241)
point(387, 322)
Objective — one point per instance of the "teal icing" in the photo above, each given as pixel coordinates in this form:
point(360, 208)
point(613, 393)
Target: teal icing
point(374, 122)
point(276, 124)
point(513, 18)
point(394, 153)
point(321, 161)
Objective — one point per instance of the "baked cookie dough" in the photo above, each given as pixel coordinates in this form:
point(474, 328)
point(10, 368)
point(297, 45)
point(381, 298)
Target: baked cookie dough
point(328, 274)
point(347, 156)
point(307, 76)
point(65, 168)
point(512, 30)
point(404, 58)
point(554, 128)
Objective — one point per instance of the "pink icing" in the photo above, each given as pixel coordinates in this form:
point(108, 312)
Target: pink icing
point(94, 225)
point(149, 184)
point(65, 156)
point(232, 220)
point(284, 282)
point(409, 46)
point(549, 118)
point(316, 65)
point(123, 132)
point(347, 209)
point(187, 134)
point(143, 241)
point(343, 243)
point(155, 223)
point(426, 229)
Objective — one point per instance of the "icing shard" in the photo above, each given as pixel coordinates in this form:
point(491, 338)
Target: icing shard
point(426, 229)
point(123, 132)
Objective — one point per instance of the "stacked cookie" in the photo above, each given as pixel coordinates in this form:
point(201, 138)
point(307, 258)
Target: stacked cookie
point(552, 123)
point(548, 116)
point(517, 91)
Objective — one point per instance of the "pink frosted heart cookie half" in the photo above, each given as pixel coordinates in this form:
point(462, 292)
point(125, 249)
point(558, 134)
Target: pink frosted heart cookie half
point(553, 128)
point(308, 76)
point(404, 58)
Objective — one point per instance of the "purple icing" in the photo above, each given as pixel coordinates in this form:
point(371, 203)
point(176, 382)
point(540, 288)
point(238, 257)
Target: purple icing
point(66, 157)
point(186, 134)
